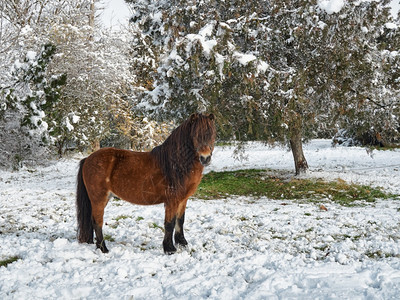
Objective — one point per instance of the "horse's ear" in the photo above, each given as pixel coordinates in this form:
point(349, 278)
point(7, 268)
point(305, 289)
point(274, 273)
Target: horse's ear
point(193, 117)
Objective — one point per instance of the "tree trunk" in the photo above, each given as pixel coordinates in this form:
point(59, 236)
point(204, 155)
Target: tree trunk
point(95, 145)
point(92, 14)
point(296, 145)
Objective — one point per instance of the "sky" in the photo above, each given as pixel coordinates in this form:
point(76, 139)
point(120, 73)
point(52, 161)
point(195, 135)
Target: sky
point(115, 13)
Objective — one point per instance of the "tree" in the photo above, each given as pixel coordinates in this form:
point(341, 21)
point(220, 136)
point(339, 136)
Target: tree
point(23, 64)
point(185, 59)
point(364, 89)
point(270, 70)
point(87, 68)
point(216, 61)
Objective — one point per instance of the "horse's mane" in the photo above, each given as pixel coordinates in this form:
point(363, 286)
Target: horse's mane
point(176, 156)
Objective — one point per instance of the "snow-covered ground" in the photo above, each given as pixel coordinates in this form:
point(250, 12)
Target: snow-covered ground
point(239, 248)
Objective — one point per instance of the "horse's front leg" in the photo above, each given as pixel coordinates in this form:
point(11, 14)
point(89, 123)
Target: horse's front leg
point(171, 209)
point(180, 219)
point(174, 219)
point(169, 225)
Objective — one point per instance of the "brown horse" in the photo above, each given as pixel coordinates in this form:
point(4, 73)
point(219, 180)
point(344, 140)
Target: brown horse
point(168, 174)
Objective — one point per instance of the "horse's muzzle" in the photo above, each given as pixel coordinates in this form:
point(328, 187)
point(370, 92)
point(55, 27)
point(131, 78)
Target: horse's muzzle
point(205, 160)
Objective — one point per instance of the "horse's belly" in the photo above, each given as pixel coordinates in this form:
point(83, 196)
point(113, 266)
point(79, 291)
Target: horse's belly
point(146, 199)
point(142, 193)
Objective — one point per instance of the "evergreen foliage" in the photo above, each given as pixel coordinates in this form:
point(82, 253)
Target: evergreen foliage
point(271, 70)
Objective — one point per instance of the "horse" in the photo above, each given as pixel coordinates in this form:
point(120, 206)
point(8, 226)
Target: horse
point(170, 173)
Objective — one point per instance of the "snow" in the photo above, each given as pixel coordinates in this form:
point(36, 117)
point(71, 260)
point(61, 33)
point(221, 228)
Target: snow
point(26, 30)
point(206, 44)
point(207, 30)
point(68, 124)
point(394, 8)
point(322, 25)
point(391, 26)
point(364, 29)
point(331, 6)
point(239, 248)
point(75, 118)
point(244, 58)
point(31, 55)
point(262, 66)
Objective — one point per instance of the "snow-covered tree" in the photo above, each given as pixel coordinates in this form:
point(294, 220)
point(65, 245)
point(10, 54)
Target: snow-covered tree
point(361, 83)
point(87, 68)
point(270, 70)
point(97, 84)
point(24, 60)
point(213, 55)
point(189, 59)
point(25, 126)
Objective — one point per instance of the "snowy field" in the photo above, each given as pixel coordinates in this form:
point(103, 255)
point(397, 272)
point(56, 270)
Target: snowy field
point(239, 248)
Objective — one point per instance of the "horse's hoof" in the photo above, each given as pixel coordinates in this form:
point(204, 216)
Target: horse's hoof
point(103, 248)
point(183, 243)
point(170, 250)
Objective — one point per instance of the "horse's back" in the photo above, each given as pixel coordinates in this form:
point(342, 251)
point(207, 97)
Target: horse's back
point(110, 158)
point(132, 176)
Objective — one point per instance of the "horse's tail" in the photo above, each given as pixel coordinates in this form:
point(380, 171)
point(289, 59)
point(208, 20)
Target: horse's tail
point(83, 209)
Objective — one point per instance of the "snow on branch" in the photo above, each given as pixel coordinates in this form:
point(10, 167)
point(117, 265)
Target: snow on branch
point(331, 6)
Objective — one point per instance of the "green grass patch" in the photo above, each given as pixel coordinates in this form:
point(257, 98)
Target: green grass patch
point(260, 183)
point(122, 217)
point(225, 143)
point(7, 261)
point(108, 237)
point(155, 225)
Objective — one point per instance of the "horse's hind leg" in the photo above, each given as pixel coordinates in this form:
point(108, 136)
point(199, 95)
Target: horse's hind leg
point(98, 213)
point(180, 219)
point(100, 243)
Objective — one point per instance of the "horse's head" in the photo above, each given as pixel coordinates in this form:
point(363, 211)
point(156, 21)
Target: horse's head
point(204, 134)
